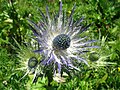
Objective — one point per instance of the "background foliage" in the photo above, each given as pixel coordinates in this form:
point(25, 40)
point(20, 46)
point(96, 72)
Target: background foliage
point(105, 14)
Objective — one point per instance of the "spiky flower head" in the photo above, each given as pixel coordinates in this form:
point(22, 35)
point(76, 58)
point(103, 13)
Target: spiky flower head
point(60, 41)
point(28, 59)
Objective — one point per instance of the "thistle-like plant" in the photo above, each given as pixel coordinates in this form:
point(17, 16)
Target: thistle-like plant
point(60, 41)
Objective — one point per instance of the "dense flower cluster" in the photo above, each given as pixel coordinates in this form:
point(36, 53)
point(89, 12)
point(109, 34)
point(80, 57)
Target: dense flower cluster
point(60, 41)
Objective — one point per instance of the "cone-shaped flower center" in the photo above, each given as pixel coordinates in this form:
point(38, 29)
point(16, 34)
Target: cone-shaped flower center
point(32, 63)
point(61, 42)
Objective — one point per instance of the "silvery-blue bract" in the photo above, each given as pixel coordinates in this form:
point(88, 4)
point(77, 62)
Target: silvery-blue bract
point(60, 41)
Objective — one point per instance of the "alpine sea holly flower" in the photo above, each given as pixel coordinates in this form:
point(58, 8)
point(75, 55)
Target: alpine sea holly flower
point(29, 61)
point(31, 66)
point(59, 40)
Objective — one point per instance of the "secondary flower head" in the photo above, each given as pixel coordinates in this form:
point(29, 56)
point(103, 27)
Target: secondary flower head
point(29, 61)
point(59, 40)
